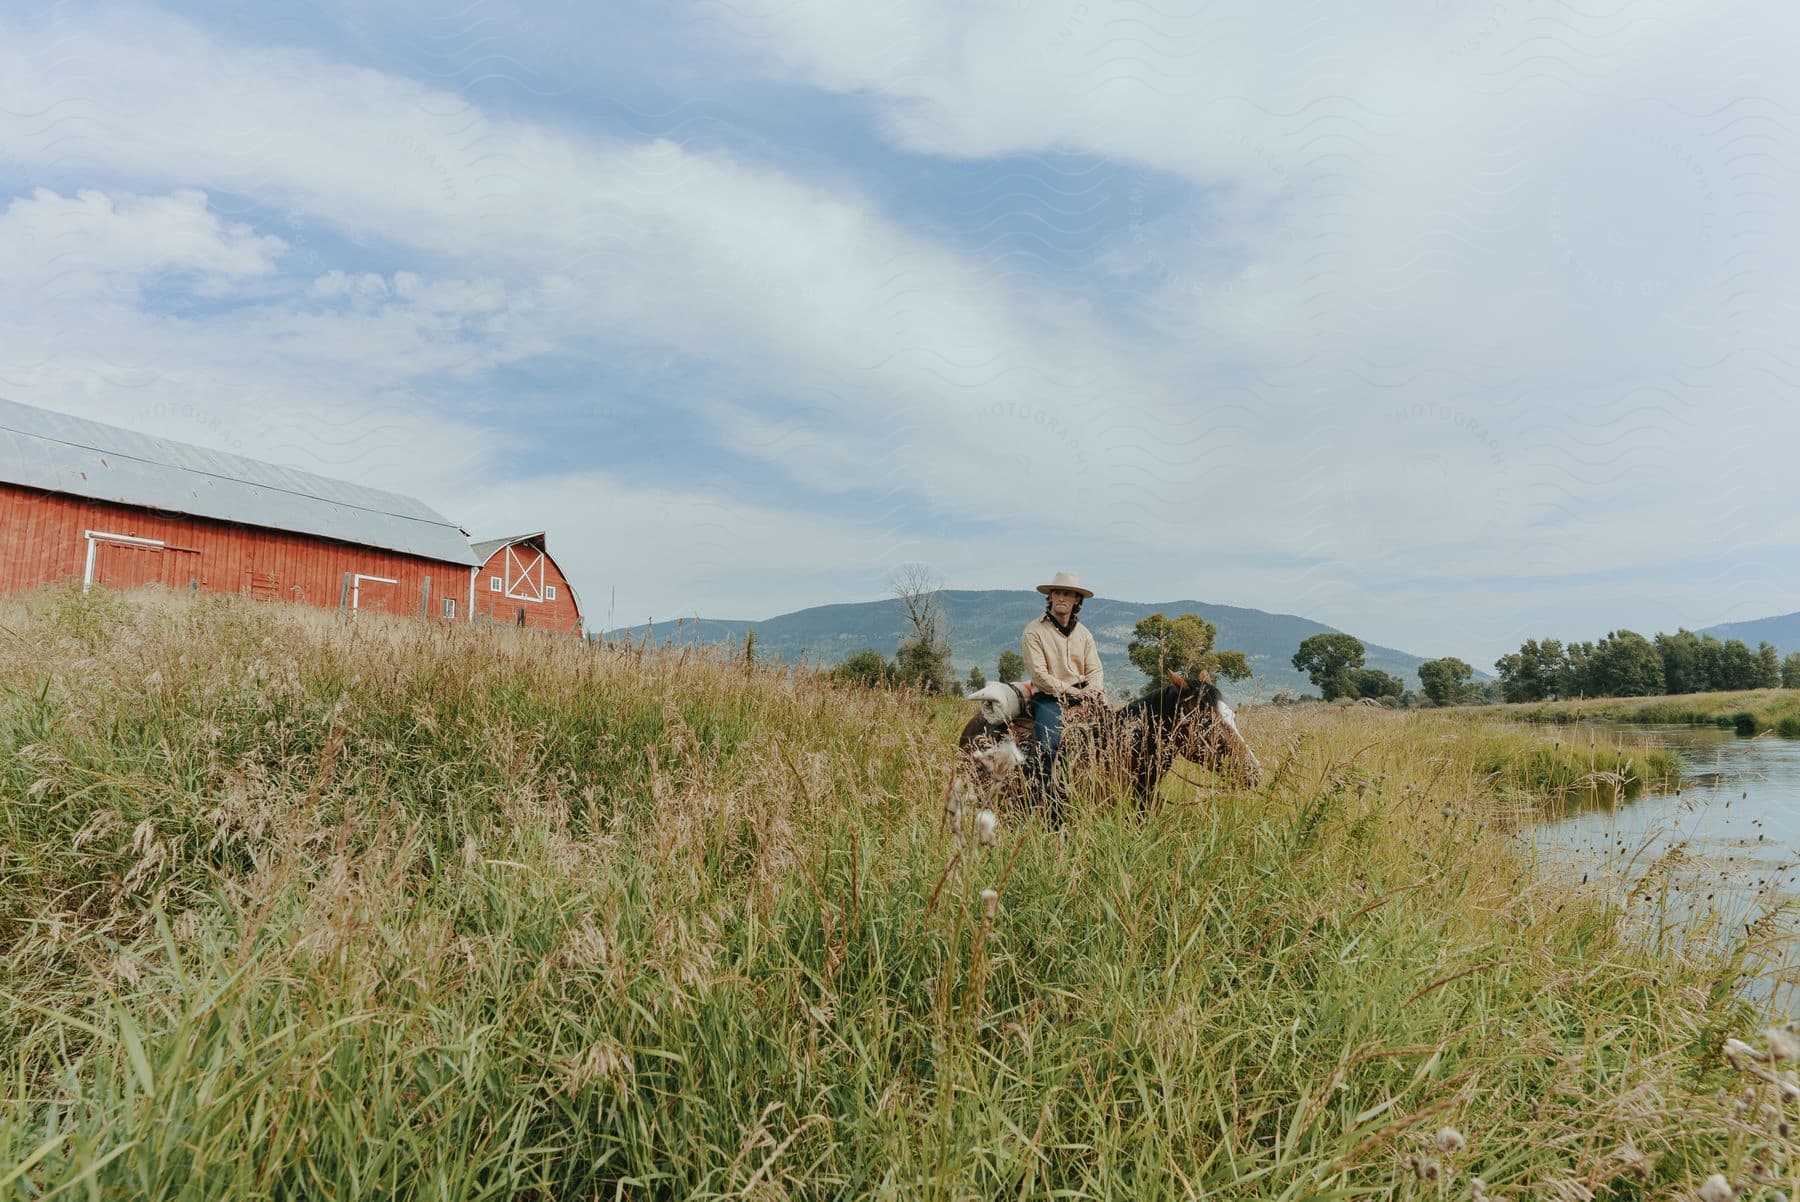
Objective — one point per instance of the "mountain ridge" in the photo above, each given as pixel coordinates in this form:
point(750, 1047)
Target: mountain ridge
point(1781, 629)
point(985, 622)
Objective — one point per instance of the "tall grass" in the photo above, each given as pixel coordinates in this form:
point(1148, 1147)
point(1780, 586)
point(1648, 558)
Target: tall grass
point(295, 907)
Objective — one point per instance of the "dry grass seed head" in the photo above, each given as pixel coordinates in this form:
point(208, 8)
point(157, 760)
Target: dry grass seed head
point(987, 828)
point(1633, 1162)
point(606, 1060)
point(1716, 1189)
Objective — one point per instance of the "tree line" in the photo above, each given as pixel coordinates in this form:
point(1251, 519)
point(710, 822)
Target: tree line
point(1626, 664)
point(1623, 664)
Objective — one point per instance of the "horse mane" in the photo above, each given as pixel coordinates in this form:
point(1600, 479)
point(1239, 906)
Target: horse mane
point(1169, 700)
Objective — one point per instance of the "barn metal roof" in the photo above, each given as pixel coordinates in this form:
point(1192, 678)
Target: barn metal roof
point(53, 451)
point(484, 550)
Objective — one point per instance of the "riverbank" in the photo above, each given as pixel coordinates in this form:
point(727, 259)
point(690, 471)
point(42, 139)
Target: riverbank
point(297, 906)
point(1749, 712)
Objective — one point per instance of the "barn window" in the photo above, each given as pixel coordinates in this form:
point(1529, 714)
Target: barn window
point(449, 607)
point(549, 592)
point(495, 584)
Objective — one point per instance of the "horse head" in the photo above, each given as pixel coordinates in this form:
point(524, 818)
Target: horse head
point(1196, 692)
point(1204, 727)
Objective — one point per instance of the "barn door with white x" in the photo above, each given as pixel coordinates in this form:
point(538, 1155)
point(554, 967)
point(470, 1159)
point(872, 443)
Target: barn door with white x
point(525, 574)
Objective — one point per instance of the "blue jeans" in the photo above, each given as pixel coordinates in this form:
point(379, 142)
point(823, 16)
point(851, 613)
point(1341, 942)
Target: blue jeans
point(1047, 729)
point(1046, 723)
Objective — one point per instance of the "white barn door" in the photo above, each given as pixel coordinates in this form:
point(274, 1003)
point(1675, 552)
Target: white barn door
point(524, 573)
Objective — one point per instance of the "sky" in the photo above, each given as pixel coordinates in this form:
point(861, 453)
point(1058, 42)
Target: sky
point(1449, 325)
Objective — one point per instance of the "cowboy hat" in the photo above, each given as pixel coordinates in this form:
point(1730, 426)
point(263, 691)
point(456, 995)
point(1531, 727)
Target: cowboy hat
point(1068, 580)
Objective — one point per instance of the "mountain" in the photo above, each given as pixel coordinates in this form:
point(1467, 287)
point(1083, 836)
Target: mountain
point(985, 623)
point(1783, 631)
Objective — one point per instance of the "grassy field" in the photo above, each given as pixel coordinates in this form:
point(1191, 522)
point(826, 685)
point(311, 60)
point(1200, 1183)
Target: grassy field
point(294, 907)
point(1749, 712)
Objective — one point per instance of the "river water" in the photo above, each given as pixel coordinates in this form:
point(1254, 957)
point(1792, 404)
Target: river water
point(1721, 852)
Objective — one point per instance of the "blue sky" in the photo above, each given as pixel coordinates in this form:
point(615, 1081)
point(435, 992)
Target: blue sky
point(1446, 325)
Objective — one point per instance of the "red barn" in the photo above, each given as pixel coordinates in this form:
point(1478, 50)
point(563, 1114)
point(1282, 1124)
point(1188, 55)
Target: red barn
point(81, 501)
point(519, 584)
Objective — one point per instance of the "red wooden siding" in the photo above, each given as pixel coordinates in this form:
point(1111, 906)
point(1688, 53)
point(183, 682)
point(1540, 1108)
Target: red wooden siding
point(527, 577)
point(44, 540)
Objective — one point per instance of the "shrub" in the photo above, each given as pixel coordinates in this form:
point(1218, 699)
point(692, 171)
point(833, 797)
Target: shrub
point(868, 668)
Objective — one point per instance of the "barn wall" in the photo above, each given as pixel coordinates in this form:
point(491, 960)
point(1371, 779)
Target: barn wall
point(42, 541)
point(518, 606)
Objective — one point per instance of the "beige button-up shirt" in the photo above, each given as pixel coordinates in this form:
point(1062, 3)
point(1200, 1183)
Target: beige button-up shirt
point(1056, 662)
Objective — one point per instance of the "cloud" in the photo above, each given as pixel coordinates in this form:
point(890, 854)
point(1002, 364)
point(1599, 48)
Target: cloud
point(1397, 329)
point(59, 247)
point(1385, 182)
point(1482, 278)
point(687, 550)
point(883, 338)
point(263, 368)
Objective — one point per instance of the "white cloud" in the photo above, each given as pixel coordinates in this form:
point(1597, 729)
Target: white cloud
point(323, 387)
point(59, 247)
point(1396, 181)
point(887, 339)
point(1488, 276)
point(687, 549)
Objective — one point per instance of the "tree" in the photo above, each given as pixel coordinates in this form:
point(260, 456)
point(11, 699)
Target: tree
point(976, 679)
point(1011, 667)
point(924, 666)
point(1510, 668)
point(1446, 680)
point(1626, 664)
point(1328, 659)
point(1575, 675)
point(1376, 684)
point(868, 668)
point(1737, 666)
point(1684, 661)
point(1768, 662)
point(923, 659)
point(1712, 658)
point(1535, 671)
point(1790, 671)
point(1183, 645)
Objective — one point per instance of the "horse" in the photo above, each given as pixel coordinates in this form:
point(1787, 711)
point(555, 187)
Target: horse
point(1186, 718)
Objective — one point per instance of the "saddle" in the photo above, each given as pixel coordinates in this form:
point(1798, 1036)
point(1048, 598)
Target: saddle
point(1020, 729)
point(1016, 725)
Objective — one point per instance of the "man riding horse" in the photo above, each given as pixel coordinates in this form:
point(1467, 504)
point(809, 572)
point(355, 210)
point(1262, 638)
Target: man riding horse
point(1185, 718)
point(1066, 674)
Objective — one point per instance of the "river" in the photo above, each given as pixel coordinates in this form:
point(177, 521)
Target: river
point(1715, 855)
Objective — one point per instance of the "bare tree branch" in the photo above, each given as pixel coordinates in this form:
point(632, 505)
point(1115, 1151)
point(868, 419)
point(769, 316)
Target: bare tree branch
point(924, 658)
point(920, 592)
